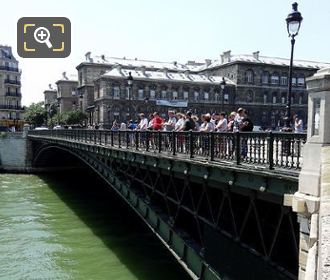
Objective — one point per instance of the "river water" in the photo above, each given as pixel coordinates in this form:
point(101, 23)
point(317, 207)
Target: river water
point(70, 226)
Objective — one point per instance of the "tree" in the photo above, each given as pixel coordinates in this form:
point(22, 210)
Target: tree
point(75, 117)
point(36, 114)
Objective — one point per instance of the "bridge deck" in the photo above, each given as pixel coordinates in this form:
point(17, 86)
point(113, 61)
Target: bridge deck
point(278, 153)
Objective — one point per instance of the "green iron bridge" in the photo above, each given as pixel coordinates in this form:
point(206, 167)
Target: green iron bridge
point(215, 200)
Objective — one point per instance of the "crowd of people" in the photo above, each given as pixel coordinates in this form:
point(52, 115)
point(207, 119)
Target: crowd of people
point(217, 122)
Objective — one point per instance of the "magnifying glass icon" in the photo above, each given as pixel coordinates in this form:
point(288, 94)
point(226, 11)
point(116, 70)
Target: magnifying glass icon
point(41, 35)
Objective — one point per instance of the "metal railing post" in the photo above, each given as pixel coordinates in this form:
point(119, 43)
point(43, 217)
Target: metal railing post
point(191, 144)
point(270, 144)
point(212, 147)
point(159, 142)
point(238, 148)
point(173, 143)
point(136, 140)
point(147, 140)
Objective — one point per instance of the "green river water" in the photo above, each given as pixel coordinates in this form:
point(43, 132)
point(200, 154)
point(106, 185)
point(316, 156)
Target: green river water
point(61, 227)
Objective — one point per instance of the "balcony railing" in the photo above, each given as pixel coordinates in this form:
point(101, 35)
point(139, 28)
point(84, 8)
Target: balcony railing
point(7, 68)
point(12, 82)
point(12, 107)
point(272, 150)
point(13, 94)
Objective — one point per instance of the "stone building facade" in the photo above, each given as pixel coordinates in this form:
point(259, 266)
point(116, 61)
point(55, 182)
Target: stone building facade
point(67, 95)
point(11, 110)
point(156, 91)
point(262, 84)
point(258, 83)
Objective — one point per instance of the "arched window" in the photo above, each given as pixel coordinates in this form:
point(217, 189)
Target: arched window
point(249, 76)
point(300, 98)
point(265, 78)
point(185, 93)
point(283, 97)
point(249, 96)
point(265, 97)
point(274, 97)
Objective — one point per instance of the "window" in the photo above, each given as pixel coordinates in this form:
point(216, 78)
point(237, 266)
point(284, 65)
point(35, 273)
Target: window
point(265, 78)
point(175, 95)
point(152, 94)
point(226, 97)
point(274, 98)
point(249, 76)
point(284, 80)
point(300, 98)
point(73, 91)
point(274, 79)
point(196, 95)
point(163, 94)
point(283, 98)
point(206, 95)
point(185, 95)
point(265, 97)
point(80, 78)
point(140, 94)
point(294, 81)
point(116, 92)
point(301, 82)
point(249, 97)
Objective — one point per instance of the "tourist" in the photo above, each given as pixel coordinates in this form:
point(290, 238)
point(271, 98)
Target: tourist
point(298, 124)
point(180, 122)
point(143, 124)
point(231, 121)
point(195, 119)
point(207, 125)
point(170, 124)
point(189, 123)
point(157, 122)
point(222, 124)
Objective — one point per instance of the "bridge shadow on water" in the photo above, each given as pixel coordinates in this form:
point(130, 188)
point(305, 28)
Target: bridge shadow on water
point(115, 224)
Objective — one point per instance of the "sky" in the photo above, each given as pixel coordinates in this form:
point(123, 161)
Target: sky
point(171, 30)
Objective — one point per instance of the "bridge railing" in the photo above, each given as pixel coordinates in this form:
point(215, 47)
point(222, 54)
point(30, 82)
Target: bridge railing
point(264, 149)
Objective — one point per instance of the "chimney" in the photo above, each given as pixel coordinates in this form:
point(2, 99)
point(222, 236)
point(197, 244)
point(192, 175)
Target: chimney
point(165, 71)
point(50, 86)
point(225, 57)
point(88, 56)
point(175, 63)
point(103, 57)
point(256, 55)
point(64, 76)
point(143, 70)
point(208, 62)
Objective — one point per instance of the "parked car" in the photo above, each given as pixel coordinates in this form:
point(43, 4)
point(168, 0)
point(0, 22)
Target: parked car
point(4, 129)
point(58, 127)
point(41, 128)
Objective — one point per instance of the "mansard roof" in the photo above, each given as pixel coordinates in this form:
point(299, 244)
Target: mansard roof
point(166, 76)
point(197, 67)
point(275, 61)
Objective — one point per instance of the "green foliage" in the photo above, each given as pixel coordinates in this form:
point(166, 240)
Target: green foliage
point(36, 114)
point(74, 117)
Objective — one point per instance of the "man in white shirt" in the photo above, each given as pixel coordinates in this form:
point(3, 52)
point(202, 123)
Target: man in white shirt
point(143, 124)
point(170, 124)
point(222, 124)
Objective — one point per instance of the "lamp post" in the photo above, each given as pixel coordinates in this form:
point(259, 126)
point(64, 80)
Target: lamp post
point(130, 86)
point(222, 86)
point(293, 22)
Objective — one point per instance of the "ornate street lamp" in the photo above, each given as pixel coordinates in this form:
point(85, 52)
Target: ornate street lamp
point(293, 22)
point(130, 93)
point(222, 86)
